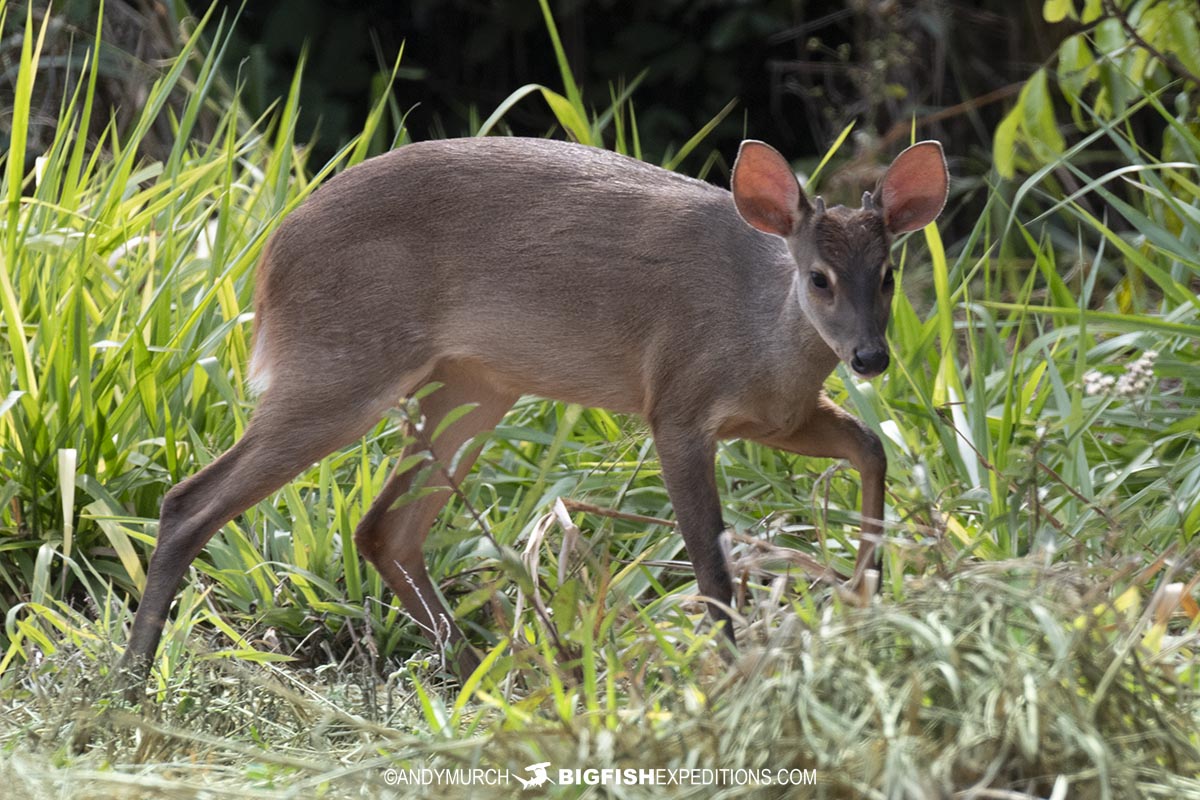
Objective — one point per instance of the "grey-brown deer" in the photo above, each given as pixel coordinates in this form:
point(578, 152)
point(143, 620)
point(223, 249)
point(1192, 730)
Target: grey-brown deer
point(504, 266)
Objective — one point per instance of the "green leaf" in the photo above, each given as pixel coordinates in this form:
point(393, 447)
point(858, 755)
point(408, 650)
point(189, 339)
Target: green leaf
point(699, 136)
point(1004, 145)
point(507, 104)
point(574, 96)
point(1074, 60)
point(1057, 10)
point(14, 178)
point(568, 117)
point(1183, 37)
point(829, 153)
point(452, 416)
point(1040, 122)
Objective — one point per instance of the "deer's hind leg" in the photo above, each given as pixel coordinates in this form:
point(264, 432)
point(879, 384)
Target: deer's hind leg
point(392, 534)
point(290, 429)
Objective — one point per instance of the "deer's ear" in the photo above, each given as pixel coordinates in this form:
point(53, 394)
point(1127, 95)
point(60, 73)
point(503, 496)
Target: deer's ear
point(765, 190)
point(914, 189)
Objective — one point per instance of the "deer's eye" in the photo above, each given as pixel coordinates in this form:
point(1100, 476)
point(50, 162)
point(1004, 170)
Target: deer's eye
point(889, 279)
point(819, 280)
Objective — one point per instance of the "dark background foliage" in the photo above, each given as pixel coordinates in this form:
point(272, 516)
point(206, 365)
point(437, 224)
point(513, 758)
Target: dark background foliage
point(800, 69)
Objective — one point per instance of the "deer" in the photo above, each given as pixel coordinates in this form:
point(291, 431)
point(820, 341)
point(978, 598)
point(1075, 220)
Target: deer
point(499, 267)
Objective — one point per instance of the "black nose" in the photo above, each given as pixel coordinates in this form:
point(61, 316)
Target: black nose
point(871, 361)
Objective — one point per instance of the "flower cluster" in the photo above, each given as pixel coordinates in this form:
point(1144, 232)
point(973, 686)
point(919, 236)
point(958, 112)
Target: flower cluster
point(1096, 382)
point(1134, 381)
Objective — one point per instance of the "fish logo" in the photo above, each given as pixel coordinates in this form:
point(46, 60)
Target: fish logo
point(539, 777)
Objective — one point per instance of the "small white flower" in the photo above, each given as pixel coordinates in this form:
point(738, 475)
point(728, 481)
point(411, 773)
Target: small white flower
point(1138, 375)
point(1135, 380)
point(1096, 382)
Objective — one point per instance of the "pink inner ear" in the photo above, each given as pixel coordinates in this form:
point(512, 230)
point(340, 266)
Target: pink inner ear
point(914, 189)
point(765, 190)
point(766, 215)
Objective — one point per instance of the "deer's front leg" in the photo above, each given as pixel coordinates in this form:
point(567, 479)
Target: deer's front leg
point(833, 433)
point(690, 475)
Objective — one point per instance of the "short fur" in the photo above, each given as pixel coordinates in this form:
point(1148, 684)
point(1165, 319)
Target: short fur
point(499, 267)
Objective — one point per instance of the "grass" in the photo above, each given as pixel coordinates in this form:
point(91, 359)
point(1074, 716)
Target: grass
point(1036, 634)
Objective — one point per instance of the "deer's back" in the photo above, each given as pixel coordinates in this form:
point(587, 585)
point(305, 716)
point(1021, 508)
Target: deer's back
point(571, 272)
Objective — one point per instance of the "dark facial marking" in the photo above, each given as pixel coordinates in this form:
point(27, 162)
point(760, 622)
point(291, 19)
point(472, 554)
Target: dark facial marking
point(852, 242)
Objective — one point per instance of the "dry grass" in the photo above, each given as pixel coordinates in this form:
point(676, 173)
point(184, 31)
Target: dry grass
point(1008, 677)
